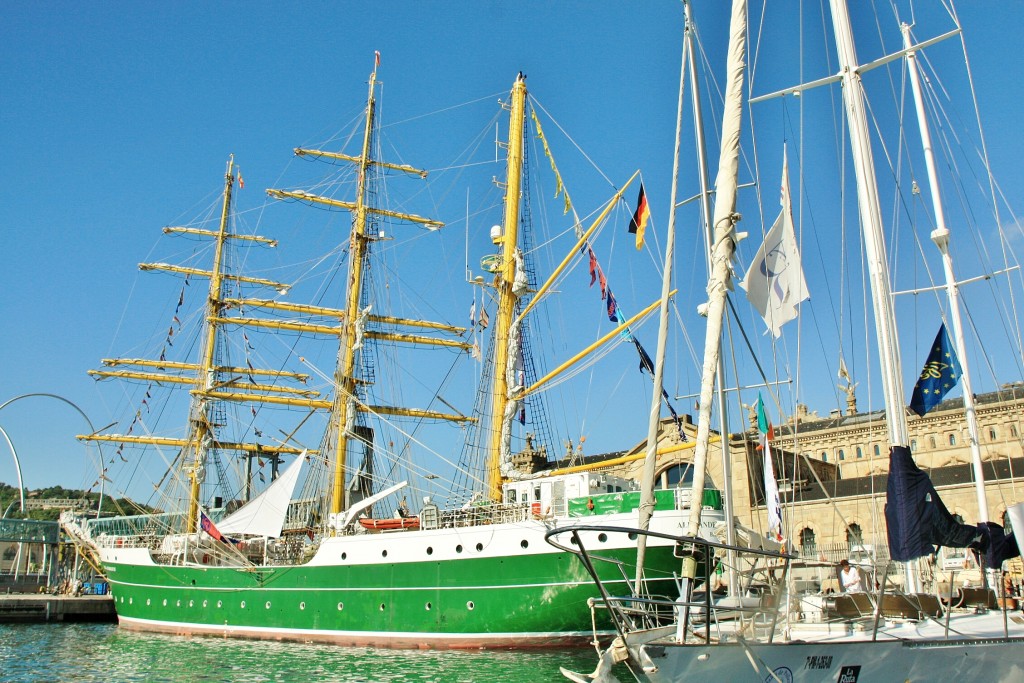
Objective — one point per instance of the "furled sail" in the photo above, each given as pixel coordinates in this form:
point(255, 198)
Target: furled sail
point(916, 518)
point(264, 515)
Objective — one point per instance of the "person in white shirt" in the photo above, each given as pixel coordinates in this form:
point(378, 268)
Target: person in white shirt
point(849, 578)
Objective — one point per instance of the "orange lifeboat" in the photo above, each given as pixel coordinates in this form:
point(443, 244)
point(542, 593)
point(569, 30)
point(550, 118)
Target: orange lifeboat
point(389, 523)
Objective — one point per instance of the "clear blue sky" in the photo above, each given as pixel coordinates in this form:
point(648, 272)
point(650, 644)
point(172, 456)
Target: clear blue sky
point(116, 118)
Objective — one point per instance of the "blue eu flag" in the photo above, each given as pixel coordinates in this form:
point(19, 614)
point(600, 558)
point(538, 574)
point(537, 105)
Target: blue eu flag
point(940, 374)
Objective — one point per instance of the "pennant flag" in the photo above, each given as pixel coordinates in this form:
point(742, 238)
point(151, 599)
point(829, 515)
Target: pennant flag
point(843, 372)
point(593, 267)
point(206, 524)
point(771, 486)
point(639, 222)
point(613, 308)
point(376, 58)
point(241, 180)
point(940, 374)
point(559, 186)
point(485, 320)
point(775, 281)
point(472, 314)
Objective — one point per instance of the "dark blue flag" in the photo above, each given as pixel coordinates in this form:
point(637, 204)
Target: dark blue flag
point(940, 374)
point(613, 308)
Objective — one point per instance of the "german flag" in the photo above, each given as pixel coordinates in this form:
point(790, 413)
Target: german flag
point(640, 216)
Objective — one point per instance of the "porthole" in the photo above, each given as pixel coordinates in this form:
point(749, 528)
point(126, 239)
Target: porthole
point(302, 605)
point(205, 602)
point(242, 604)
point(632, 535)
point(524, 544)
point(219, 604)
point(344, 556)
point(479, 547)
point(458, 548)
point(602, 537)
point(383, 553)
point(131, 600)
point(382, 607)
point(574, 540)
point(178, 603)
point(165, 602)
point(191, 603)
point(430, 551)
point(267, 606)
point(147, 602)
point(470, 606)
point(428, 606)
point(341, 606)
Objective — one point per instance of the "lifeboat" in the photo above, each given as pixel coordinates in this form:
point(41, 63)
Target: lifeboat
point(389, 523)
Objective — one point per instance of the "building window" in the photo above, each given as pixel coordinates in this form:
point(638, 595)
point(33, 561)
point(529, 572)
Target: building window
point(860, 453)
point(1013, 431)
point(878, 451)
point(913, 446)
point(807, 542)
point(854, 535)
point(991, 434)
point(931, 442)
point(824, 456)
point(842, 455)
point(952, 439)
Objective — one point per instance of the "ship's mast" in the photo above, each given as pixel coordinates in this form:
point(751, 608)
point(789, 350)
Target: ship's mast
point(201, 425)
point(500, 399)
point(345, 379)
point(940, 236)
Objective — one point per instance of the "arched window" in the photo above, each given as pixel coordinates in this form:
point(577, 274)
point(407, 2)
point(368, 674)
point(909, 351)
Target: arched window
point(860, 454)
point(854, 535)
point(842, 455)
point(931, 442)
point(878, 451)
point(824, 456)
point(952, 439)
point(1013, 431)
point(681, 474)
point(991, 433)
point(913, 446)
point(807, 539)
point(1006, 522)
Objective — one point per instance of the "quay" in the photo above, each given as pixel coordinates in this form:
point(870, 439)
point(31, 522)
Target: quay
point(28, 608)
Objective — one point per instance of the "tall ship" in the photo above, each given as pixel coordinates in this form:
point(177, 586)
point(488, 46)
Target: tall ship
point(335, 545)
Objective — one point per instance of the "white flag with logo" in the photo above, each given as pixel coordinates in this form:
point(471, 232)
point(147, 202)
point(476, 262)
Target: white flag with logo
point(775, 281)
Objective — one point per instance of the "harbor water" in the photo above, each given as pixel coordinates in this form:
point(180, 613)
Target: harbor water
point(104, 653)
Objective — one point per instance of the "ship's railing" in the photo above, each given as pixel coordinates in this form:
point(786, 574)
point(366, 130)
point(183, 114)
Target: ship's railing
point(488, 513)
point(159, 524)
point(693, 612)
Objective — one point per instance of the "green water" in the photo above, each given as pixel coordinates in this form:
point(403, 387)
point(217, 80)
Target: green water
point(103, 653)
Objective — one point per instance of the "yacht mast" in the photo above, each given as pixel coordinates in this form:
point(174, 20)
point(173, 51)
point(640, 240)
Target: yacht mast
point(646, 509)
point(940, 236)
point(723, 250)
point(871, 226)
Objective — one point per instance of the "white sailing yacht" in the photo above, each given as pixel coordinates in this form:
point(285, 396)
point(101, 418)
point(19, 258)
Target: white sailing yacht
point(890, 636)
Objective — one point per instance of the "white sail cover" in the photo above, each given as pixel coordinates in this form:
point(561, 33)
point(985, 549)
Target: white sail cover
point(264, 514)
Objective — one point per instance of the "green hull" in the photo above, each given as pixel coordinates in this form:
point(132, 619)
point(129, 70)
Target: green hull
point(532, 600)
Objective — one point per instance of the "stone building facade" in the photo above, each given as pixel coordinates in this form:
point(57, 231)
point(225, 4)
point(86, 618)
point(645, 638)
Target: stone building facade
point(832, 471)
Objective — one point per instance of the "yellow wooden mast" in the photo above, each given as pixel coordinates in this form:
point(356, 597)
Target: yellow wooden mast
point(346, 403)
point(503, 282)
point(200, 432)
